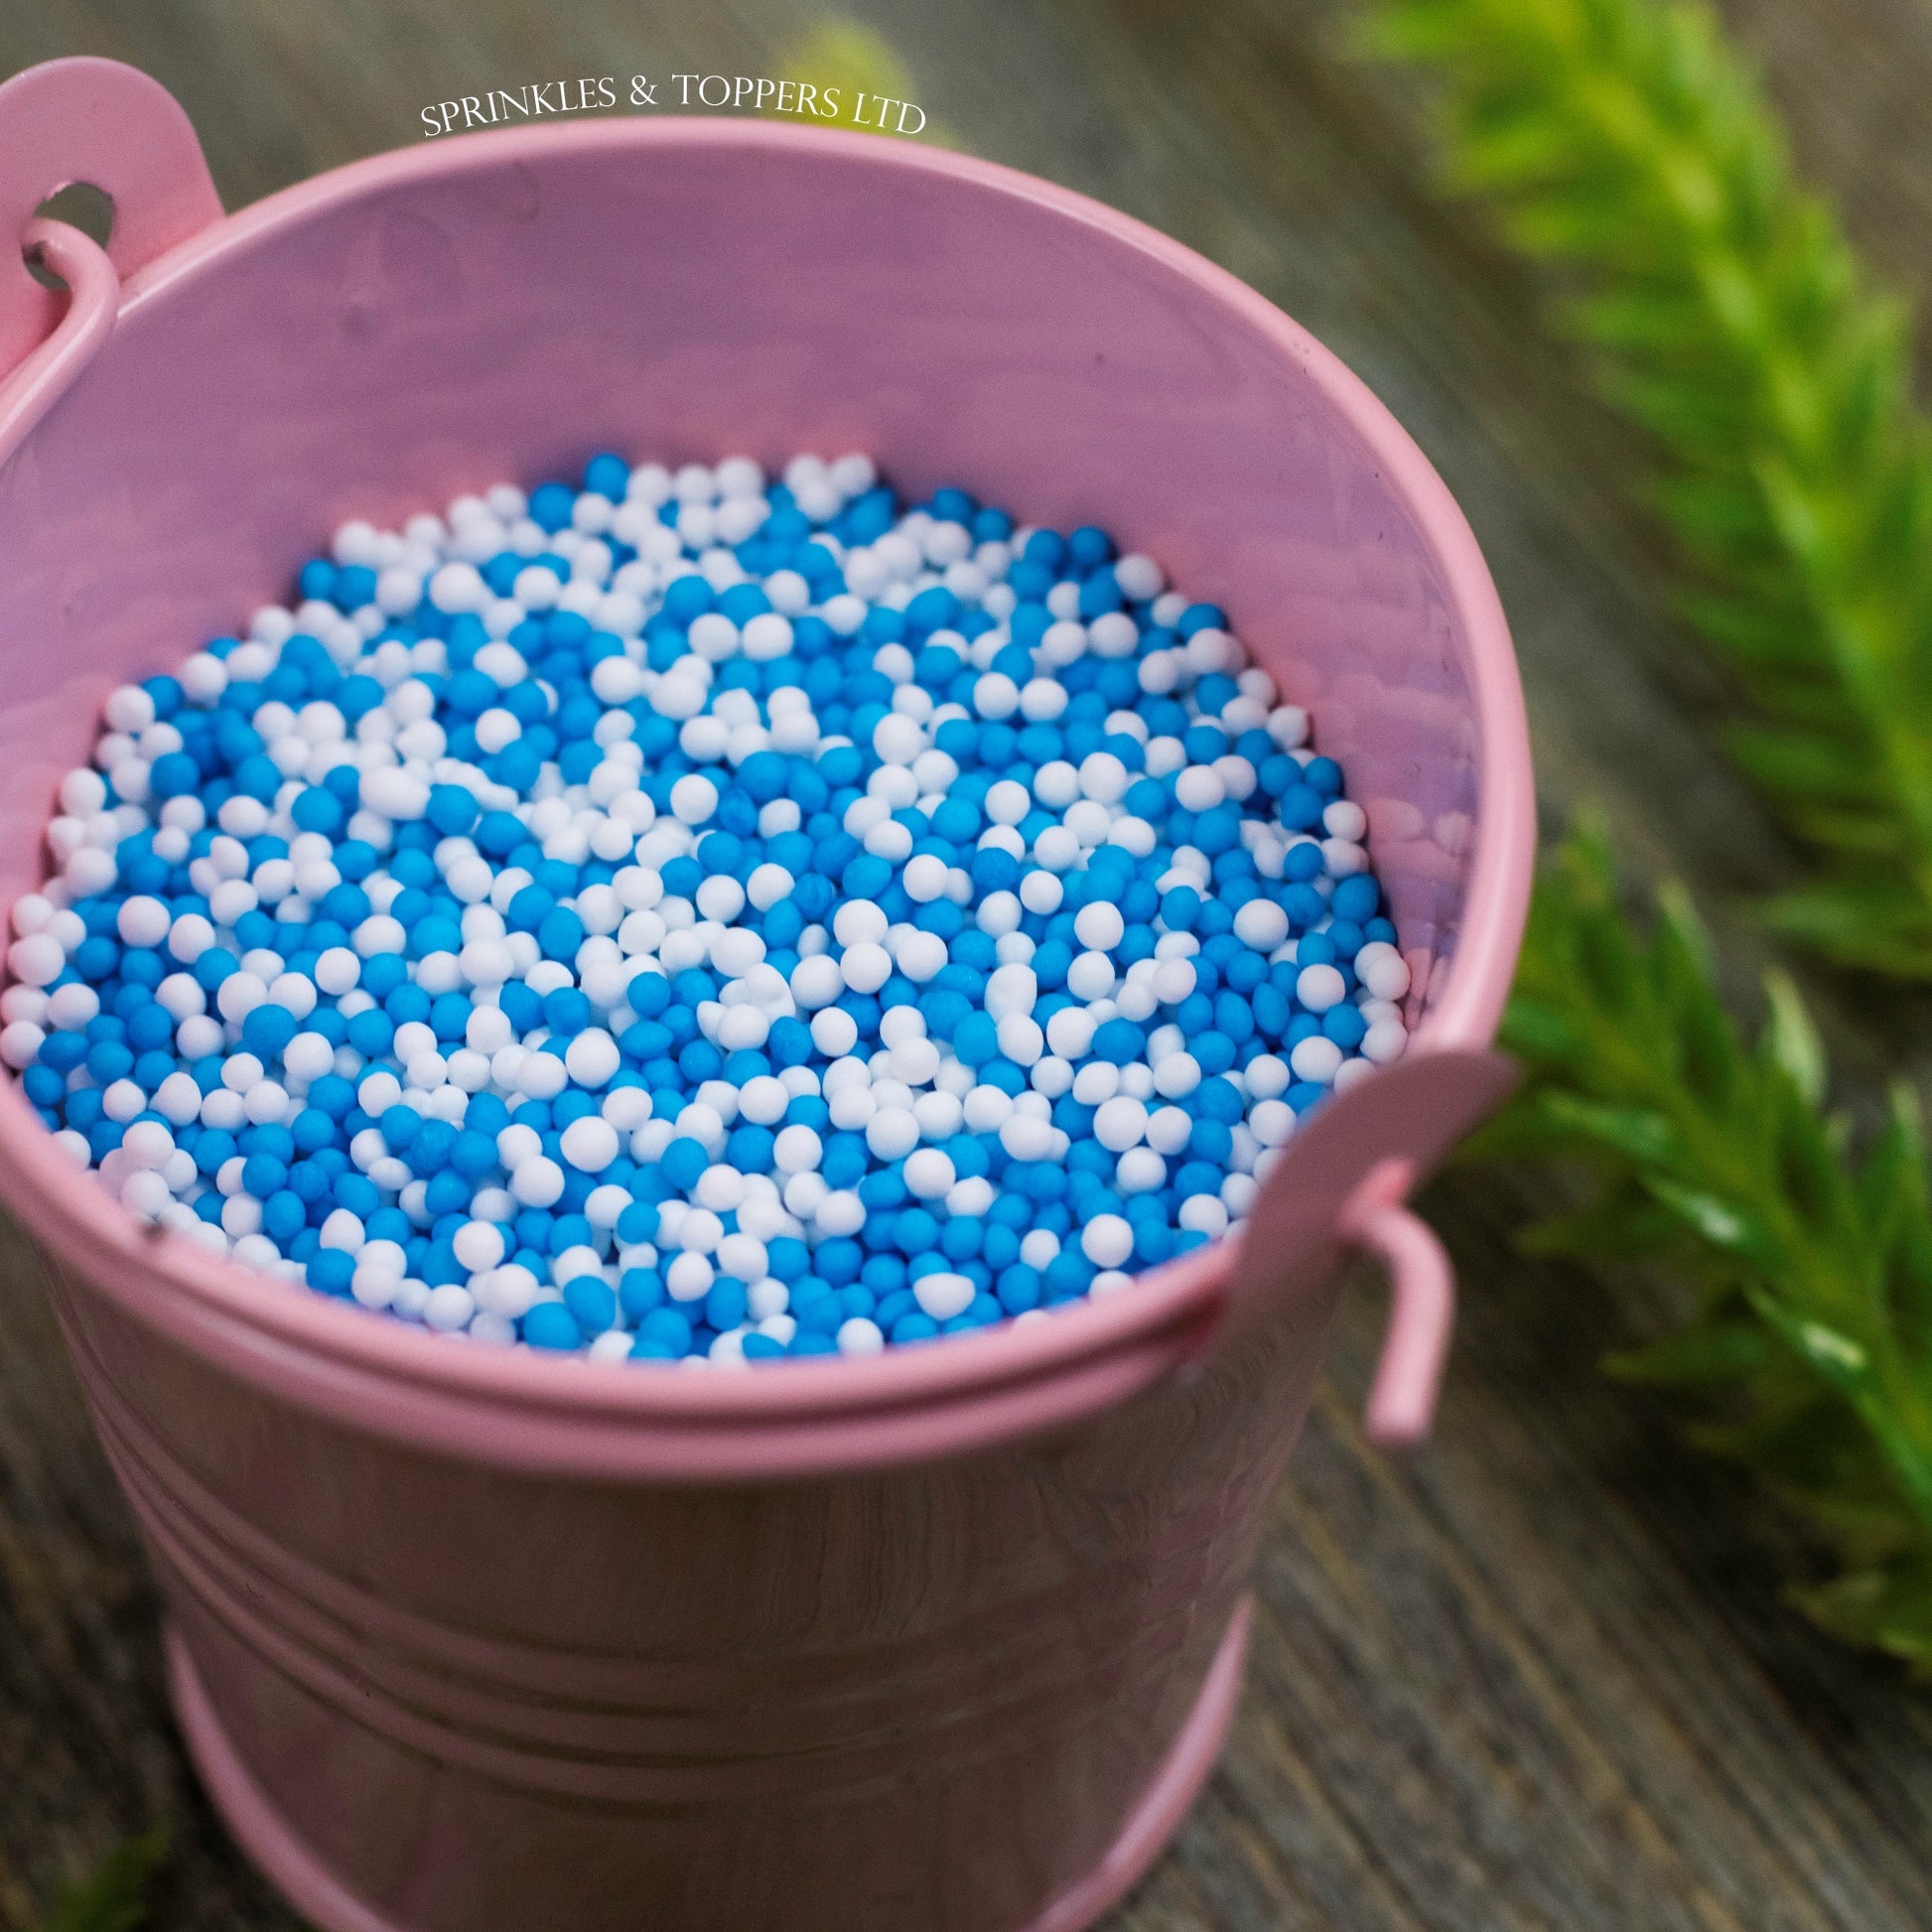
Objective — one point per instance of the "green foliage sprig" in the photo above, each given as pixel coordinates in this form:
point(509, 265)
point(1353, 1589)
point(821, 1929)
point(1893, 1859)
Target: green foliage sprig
point(1623, 145)
point(863, 65)
point(1719, 1161)
point(113, 1897)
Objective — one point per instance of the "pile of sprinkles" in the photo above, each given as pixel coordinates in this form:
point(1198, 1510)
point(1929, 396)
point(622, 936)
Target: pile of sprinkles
point(698, 918)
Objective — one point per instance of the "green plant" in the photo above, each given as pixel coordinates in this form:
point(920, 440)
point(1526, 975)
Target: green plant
point(113, 1897)
point(1719, 1161)
point(863, 65)
point(1622, 145)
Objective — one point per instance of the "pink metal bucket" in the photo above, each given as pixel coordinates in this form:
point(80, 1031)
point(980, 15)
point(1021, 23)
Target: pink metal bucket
point(946, 1640)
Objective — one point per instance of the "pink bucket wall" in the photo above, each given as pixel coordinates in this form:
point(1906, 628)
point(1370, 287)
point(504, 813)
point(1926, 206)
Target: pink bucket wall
point(926, 1695)
point(466, 1641)
point(687, 299)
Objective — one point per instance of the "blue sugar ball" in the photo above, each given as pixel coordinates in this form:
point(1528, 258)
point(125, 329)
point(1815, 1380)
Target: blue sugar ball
point(566, 1011)
point(452, 809)
point(976, 1040)
point(667, 1327)
point(331, 1270)
point(551, 505)
point(640, 1290)
point(607, 474)
point(551, 1324)
point(591, 1303)
point(267, 1030)
point(1119, 1041)
point(725, 1303)
point(786, 1258)
point(1355, 897)
point(682, 1162)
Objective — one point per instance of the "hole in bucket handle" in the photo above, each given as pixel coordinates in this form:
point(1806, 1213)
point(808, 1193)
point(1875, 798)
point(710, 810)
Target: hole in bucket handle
point(1341, 1184)
point(88, 120)
point(81, 205)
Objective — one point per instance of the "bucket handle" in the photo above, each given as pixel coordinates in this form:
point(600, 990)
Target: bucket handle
point(86, 119)
point(94, 302)
point(1341, 1187)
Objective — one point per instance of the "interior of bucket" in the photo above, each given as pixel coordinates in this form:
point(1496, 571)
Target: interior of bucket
point(501, 311)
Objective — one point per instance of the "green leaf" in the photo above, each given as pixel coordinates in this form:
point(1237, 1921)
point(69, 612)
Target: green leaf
point(1880, 1608)
point(1704, 1356)
point(1811, 1355)
point(863, 64)
point(1636, 1132)
point(1791, 1041)
point(1625, 148)
point(115, 1896)
point(1720, 1222)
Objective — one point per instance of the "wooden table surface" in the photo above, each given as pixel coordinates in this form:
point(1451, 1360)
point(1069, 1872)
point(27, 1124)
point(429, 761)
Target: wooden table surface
point(1536, 1675)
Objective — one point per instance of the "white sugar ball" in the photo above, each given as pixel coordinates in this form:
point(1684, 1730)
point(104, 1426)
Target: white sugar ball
point(819, 980)
point(1385, 1041)
point(1319, 986)
point(1091, 976)
point(860, 1335)
point(1104, 779)
point(449, 1308)
point(478, 1245)
point(928, 1173)
point(20, 1043)
point(798, 1149)
point(1266, 1076)
point(147, 1144)
point(1383, 972)
point(1175, 1075)
point(592, 1058)
point(914, 1062)
point(925, 877)
point(1119, 1122)
point(834, 1030)
point(589, 1144)
point(145, 1194)
point(1010, 989)
point(893, 1133)
point(943, 1294)
point(1099, 925)
point(997, 697)
point(922, 956)
point(77, 1004)
point(1261, 924)
point(308, 1057)
point(1008, 801)
point(694, 798)
point(538, 1181)
point(1203, 1214)
point(689, 1277)
point(143, 922)
point(1316, 1058)
point(857, 920)
point(1106, 1240)
point(865, 967)
point(1021, 1038)
point(1041, 892)
point(767, 885)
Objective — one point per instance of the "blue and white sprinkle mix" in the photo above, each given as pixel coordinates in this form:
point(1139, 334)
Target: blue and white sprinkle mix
point(698, 918)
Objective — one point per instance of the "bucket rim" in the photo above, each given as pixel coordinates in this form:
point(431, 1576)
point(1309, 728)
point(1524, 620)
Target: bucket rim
point(313, 1347)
